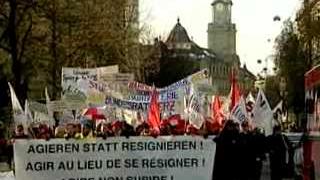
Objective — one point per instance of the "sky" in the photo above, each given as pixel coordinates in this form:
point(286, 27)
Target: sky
point(253, 18)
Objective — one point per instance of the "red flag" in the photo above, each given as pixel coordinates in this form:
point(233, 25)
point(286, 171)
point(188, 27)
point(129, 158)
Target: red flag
point(154, 113)
point(235, 91)
point(217, 114)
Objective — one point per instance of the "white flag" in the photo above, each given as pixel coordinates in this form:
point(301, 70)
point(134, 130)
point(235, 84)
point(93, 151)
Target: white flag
point(18, 113)
point(278, 107)
point(278, 112)
point(49, 116)
point(194, 110)
point(27, 112)
point(239, 112)
point(262, 113)
point(250, 98)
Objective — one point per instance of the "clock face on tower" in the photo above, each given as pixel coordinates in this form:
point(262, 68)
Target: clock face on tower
point(220, 7)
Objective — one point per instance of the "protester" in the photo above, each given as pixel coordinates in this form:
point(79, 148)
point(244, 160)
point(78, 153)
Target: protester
point(3, 141)
point(127, 130)
point(259, 150)
point(59, 132)
point(70, 131)
point(106, 130)
point(226, 165)
point(20, 133)
point(246, 150)
point(278, 146)
point(87, 127)
point(44, 132)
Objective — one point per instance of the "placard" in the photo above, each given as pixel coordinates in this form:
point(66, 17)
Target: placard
point(62, 105)
point(122, 78)
point(119, 158)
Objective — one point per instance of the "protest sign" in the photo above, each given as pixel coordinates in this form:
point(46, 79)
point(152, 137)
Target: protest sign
point(198, 78)
point(96, 91)
point(122, 78)
point(119, 158)
point(101, 71)
point(70, 76)
point(138, 105)
point(40, 117)
point(62, 105)
point(164, 96)
point(143, 87)
point(38, 107)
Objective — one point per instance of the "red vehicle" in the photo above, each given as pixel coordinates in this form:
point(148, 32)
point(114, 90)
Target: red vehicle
point(312, 144)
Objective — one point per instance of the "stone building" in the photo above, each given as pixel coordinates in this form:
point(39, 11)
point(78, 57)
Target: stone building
point(180, 56)
point(222, 41)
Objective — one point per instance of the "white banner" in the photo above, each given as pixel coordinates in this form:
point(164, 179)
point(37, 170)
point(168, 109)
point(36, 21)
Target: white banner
point(120, 158)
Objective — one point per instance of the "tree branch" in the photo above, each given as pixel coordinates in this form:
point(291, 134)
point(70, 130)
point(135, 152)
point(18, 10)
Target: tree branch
point(24, 39)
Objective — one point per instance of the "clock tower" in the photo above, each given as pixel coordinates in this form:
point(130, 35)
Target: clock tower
point(221, 31)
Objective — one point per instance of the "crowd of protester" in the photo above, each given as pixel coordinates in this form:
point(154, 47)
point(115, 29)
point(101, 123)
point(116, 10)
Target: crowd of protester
point(240, 152)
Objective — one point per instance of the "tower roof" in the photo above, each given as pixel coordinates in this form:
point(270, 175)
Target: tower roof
point(178, 34)
point(222, 1)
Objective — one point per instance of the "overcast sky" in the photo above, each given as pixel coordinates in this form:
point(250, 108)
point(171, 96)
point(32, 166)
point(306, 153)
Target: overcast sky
point(254, 20)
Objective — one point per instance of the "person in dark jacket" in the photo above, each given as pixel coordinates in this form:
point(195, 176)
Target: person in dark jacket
point(278, 146)
point(259, 149)
point(246, 151)
point(226, 165)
